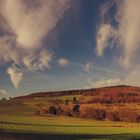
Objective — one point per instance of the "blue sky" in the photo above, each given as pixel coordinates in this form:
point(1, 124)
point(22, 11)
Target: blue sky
point(67, 44)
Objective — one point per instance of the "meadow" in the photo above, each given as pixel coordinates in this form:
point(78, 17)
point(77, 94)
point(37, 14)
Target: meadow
point(19, 121)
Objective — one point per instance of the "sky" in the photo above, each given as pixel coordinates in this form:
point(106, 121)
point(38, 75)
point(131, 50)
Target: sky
point(48, 45)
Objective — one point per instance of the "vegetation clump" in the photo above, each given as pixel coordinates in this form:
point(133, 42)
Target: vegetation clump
point(93, 113)
point(124, 114)
point(53, 110)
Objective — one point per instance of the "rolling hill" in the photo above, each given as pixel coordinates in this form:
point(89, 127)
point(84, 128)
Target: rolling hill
point(121, 90)
point(107, 112)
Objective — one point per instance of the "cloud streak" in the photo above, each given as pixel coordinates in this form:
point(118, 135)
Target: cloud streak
point(108, 82)
point(88, 66)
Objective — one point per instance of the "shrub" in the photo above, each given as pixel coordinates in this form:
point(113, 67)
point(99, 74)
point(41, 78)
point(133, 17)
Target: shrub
point(92, 113)
point(37, 112)
point(59, 111)
point(74, 100)
point(66, 102)
point(123, 114)
point(128, 115)
point(68, 113)
point(113, 116)
point(66, 110)
point(53, 110)
point(44, 110)
point(76, 108)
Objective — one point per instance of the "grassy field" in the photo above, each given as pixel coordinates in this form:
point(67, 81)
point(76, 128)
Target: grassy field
point(18, 116)
point(67, 126)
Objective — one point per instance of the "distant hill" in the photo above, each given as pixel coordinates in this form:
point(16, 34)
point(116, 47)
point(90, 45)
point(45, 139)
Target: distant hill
point(3, 100)
point(120, 90)
point(114, 103)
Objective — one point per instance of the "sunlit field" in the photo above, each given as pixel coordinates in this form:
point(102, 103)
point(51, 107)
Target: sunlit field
point(18, 116)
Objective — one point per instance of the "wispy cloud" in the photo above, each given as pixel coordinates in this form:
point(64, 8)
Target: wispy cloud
point(127, 32)
point(15, 75)
point(24, 24)
point(133, 77)
point(105, 34)
point(63, 62)
point(40, 61)
point(105, 82)
point(129, 24)
point(88, 66)
point(32, 22)
point(3, 93)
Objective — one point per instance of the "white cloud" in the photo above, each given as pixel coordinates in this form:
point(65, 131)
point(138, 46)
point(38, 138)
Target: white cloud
point(88, 66)
point(40, 61)
point(63, 62)
point(3, 93)
point(104, 35)
point(15, 75)
point(24, 25)
point(127, 33)
point(32, 22)
point(106, 82)
point(8, 53)
point(133, 77)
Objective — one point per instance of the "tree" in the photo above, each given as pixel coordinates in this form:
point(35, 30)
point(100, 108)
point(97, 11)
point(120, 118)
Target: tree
point(74, 100)
point(76, 108)
point(66, 102)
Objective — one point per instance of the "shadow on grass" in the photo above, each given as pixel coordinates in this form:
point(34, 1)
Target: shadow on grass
point(31, 136)
point(29, 124)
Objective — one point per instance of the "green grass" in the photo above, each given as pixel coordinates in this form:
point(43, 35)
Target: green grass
point(18, 116)
point(65, 125)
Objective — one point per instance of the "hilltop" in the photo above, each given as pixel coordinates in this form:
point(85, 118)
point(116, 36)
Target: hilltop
point(110, 91)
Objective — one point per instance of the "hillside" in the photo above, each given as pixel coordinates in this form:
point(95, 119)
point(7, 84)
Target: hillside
point(103, 111)
point(112, 90)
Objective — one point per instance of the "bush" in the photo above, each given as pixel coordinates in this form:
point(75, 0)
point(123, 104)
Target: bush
point(59, 111)
point(76, 108)
point(92, 113)
point(53, 110)
point(74, 100)
point(66, 102)
point(128, 115)
point(123, 114)
point(68, 113)
point(113, 116)
point(37, 112)
point(41, 110)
